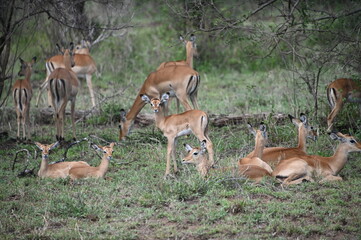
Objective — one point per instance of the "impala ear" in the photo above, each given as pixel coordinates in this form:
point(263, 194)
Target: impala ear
point(192, 38)
point(263, 129)
point(54, 145)
point(303, 118)
point(144, 98)
point(33, 60)
point(187, 147)
point(334, 136)
point(165, 97)
point(21, 61)
point(71, 46)
point(59, 48)
point(39, 145)
point(251, 129)
point(203, 145)
point(181, 38)
point(122, 115)
point(112, 144)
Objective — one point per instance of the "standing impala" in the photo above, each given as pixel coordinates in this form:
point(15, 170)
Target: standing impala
point(273, 155)
point(176, 125)
point(296, 170)
point(22, 93)
point(63, 87)
point(84, 67)
point(256, 158)
point(94, 172)
point(180, 81)
point(198, 157)
point(340, 91)
point(55, 170)
point(191, 50)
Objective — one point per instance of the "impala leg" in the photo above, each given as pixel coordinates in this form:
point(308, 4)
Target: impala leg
point(169, 153)
point(333, 113)
point(18, 119)
point(330, 177)
point(73, 117)
point(88, 78)
point(174, 156)
point(209, 147)
point(42, 87)
point(194, 100)
point(182, 96)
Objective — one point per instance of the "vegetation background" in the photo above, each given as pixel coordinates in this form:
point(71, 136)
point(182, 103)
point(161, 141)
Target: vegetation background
point(254, 57)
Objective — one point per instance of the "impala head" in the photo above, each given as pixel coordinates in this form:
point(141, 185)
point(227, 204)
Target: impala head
point(310, 131)
point(190, 44)
point(347, 140)
point(124, 125)
point(26, 65)
point(68, 53)
point(195, 154)
point(82, 48)
point(45, 149)
point(156, 103)
point(106, 150)
point(260, 133)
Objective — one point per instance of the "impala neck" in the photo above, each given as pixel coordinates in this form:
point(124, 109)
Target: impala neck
point(129, 118)
point(103, 167)
point(27, 73)
point(190, 51)
point(160, 118)
point(67, 60)
point(339, 158)
point(302, 132)
point(259, 146)
point(44, 164)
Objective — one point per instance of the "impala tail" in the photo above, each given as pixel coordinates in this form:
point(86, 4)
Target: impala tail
point(331, 97)
point(20, 98)
point(58, 91)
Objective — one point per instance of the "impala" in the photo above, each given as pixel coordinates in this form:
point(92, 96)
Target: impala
point(197, 156)
point(180, 81)
point(191, 50)
point(297, 169)
point(63, 87)
point(273, 155)
point(22, 93)
point(56, 170)
point(176, 125)
point(94, 172)
point(256, 157)
point(84, 67)
point(340, 91)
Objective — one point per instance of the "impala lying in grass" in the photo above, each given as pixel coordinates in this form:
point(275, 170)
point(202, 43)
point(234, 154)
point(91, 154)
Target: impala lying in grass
point(94, 172)
point(297, 169)
point(198, 156)
point(273, 155)
point(55, 170)
point(255, 159)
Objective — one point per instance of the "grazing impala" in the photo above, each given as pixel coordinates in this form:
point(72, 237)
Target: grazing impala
point(273, 155)
point(297, 169)
point(176, 125)
point(84, 67)
point(191, 50)
point(94, 172)
point(63, 87)
point(56, 170)
point(197, 156)
point(340, 91)
point(256, 157)
point(181, 81)
point(22, 93)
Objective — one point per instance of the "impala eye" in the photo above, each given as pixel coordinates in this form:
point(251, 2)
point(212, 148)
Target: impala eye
point(195, 153)
point(352, 141)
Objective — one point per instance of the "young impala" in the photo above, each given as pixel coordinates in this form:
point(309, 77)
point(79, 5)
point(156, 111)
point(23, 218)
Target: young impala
point(56, 170)
point(94, 172)
point(273, 155)
point(197, 156)
point(191, 50)
point(84, 67)
point(180, 81)
point(256, 158)
point(297, 169)
point(176, 125)
point(22, 93)
point(63, 87)
point(340, 91)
